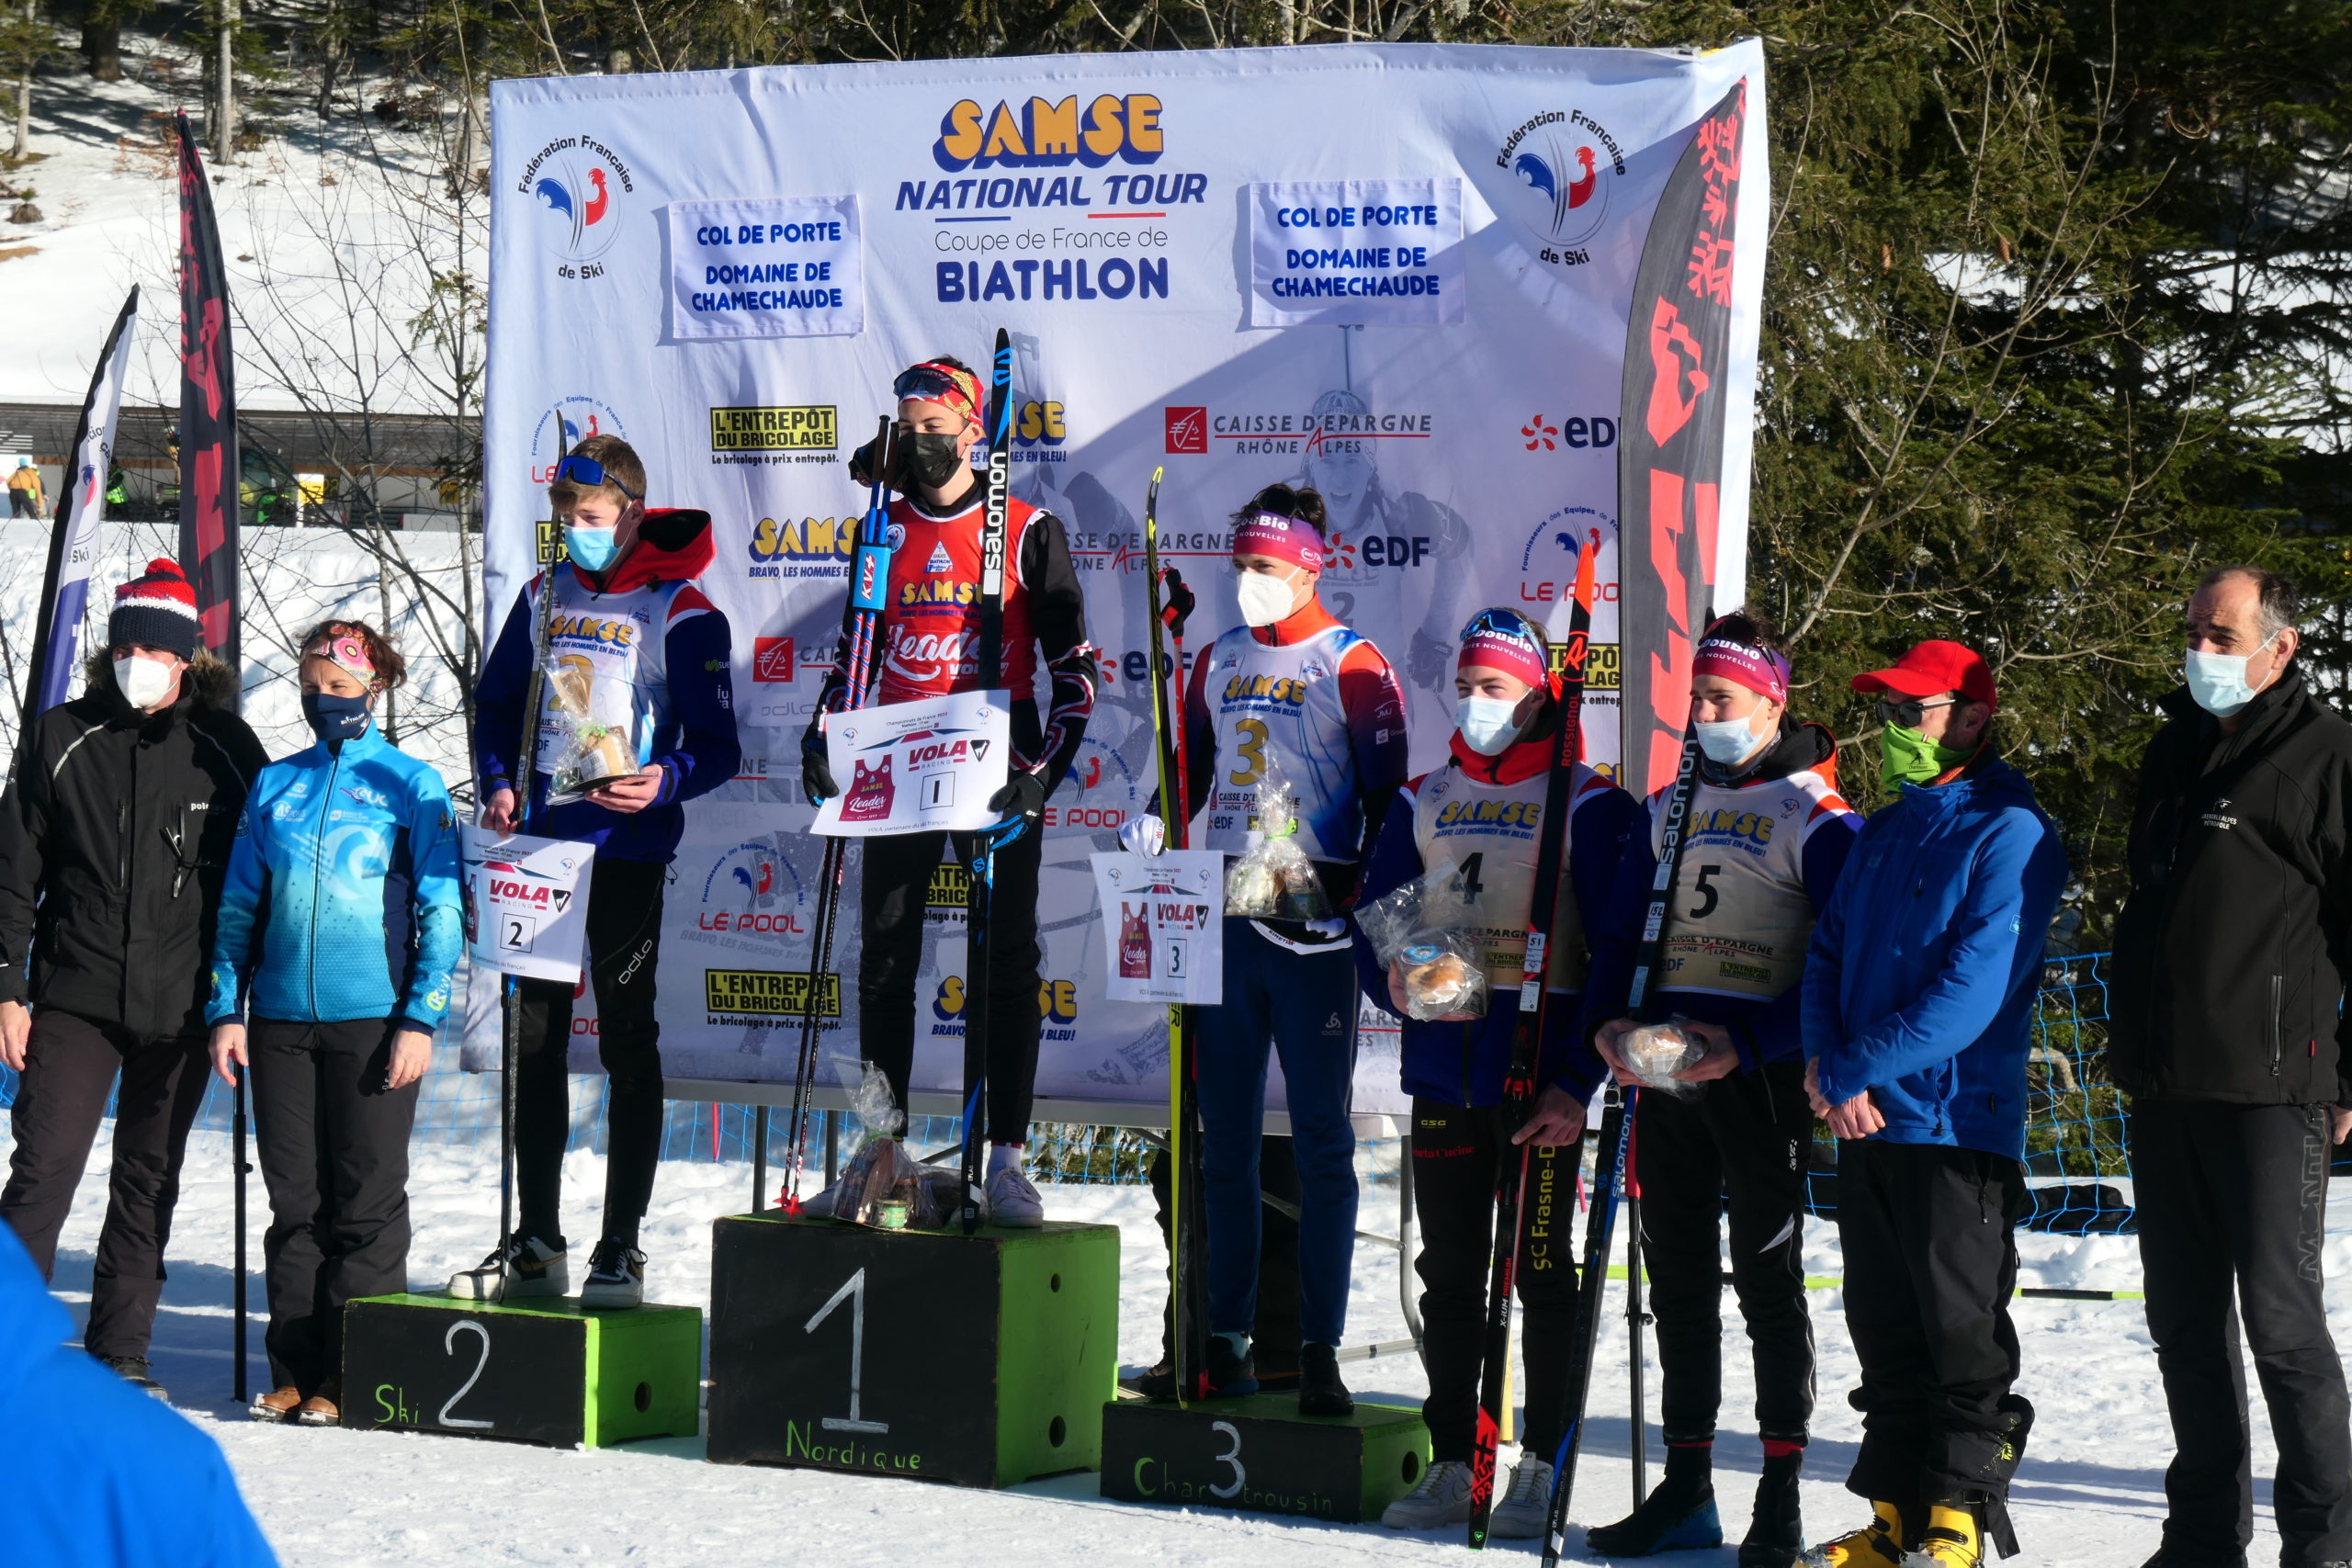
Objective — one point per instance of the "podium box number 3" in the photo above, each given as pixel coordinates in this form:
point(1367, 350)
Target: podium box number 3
point(546, 1371)
point(977, 1361)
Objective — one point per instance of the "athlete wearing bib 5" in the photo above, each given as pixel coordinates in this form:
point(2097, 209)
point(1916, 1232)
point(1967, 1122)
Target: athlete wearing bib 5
point(636, 641)
point(1294, 693)
point(1481, 815)
point(930, 634)
point(1766, 840)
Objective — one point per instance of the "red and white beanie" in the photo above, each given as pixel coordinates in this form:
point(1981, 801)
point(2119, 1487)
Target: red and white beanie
point(157, 609)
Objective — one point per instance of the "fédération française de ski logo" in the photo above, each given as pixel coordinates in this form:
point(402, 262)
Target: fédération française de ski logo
point(1566, 166)
point(578, 186)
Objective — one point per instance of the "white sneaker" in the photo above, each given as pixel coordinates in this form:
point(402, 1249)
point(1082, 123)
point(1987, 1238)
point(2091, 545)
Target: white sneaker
point(519, 1267)
point(616, 1276)
point(1441, 1498)
point(1012, 1202)
point(1525, 1508)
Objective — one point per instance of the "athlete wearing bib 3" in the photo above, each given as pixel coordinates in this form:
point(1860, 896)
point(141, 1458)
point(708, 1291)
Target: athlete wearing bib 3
point(1766, 840)
point(1295, 694)
point(1481, 815)
point(930, 635)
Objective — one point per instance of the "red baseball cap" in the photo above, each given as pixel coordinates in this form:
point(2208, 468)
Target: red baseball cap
point(1933, 668)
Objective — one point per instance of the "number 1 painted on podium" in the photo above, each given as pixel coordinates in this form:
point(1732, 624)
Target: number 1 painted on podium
point(854, 1289)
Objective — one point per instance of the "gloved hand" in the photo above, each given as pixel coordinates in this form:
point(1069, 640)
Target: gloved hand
point(861, 464)
point(1330, 930)
point(1023, 797)
point(816, 773)
point(1144, 835)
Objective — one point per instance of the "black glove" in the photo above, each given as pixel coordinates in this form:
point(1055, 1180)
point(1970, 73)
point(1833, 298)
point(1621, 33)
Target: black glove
point(861, 464)
point(816, 773)
point(1023, 797)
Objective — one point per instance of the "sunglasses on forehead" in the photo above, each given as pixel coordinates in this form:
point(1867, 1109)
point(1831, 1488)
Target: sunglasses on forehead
point(929, 383)
point(587, 472)
point(1910, 715)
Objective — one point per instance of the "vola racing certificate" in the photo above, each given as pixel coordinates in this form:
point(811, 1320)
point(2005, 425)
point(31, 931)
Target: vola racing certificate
point(1162, 920)
point(527, 904)
point(917, 767)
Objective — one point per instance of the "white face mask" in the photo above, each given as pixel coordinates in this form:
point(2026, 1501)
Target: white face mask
point(1725, 740)
point(141, 682)
point(1488, 724)
point(1265, 597)
point(2217, 680)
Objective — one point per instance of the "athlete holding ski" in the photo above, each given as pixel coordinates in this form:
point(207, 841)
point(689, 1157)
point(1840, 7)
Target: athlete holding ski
point(931, 635)
point(1766, 840)
point(1482, 815)
point(1296, 693)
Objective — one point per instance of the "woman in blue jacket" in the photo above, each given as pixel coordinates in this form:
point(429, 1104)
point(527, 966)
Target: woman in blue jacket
point(338, 928)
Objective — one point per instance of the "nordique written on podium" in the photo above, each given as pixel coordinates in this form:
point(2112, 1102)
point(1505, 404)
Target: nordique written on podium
point(1258, 1453)
point(979, 1360)
point(542, 1371)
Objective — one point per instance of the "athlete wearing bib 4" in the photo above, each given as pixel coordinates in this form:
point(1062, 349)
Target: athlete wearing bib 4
point(1764, 841)
point(637, 646)
point(929, 636)
point(1294, 692)
point(1482, 815)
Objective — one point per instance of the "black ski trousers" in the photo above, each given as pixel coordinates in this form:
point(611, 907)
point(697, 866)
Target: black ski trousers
point(2232, 1202)
point(1745, 1138)
point(335, 1156)
point(624, 953)
point(895, 890)
point(1457, 1156)
point(1273, 1336)
point(70, 1064)
point(1929, 1237)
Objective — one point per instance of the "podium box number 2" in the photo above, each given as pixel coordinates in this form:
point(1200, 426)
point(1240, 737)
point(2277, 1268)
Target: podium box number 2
point(545, 1370)
point(977, 1361)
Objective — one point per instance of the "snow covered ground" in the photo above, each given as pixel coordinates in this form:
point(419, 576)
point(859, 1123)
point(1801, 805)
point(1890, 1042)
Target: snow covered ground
point(2091, 1492)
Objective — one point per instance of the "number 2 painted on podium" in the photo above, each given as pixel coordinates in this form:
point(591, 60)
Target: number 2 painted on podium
point(449, 1344)
point(854, 1289)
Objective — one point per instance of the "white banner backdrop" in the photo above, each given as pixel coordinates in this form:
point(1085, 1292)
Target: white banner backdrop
point(1127, 217)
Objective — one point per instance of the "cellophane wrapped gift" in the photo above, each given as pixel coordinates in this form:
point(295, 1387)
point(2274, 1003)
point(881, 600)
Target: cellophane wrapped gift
point(592, 719)
point(1418, 925)
point(1273, 880)
point(882, 1185)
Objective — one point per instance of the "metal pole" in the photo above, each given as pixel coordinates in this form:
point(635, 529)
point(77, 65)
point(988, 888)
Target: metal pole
point(1635, 1319)
point(832, 1148)
point(759, 1159)
point(237, 1155)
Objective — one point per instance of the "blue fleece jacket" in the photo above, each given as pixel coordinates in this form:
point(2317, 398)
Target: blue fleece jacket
point(100, 1474)
point(1463, 1064)
point(342, 899)
point(1920, 985)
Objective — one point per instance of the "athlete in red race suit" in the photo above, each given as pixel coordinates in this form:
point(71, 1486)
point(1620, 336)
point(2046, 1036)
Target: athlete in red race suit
point(929, 636)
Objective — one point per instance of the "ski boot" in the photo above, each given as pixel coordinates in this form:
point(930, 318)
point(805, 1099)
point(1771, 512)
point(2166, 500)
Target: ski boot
point(1954, 1538)
point(1878, 1544)
point(1776, 1531)
point(1678, 1515)
point(1441, 1498)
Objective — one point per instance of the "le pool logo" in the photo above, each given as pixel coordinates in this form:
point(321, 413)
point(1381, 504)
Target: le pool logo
point(1042, 134)
point(578, 184)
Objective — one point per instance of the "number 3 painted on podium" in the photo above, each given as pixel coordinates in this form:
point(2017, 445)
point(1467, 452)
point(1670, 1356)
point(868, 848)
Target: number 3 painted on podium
point(1231, 1455)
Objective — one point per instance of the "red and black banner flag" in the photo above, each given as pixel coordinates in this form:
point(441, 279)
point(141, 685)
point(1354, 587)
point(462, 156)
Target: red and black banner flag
point(1670, 455)
point(210, 466)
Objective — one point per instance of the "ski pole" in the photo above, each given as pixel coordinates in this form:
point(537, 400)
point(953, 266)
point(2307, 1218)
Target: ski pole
point(238, 1156)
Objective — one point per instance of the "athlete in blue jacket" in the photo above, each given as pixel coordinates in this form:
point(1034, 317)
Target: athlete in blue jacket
point(1481, 817)
point(339, 926)
point(1918, 994)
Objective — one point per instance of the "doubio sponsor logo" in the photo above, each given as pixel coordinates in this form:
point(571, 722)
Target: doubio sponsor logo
point(805, 427)
point(768, 993)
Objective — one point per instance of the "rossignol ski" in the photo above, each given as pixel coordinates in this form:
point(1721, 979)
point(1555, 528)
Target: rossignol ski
point(1527, 1043)
point(1616, 1146)
point(980, 897)
point(1185, 1284)
point(525, 768)
point(869, 580)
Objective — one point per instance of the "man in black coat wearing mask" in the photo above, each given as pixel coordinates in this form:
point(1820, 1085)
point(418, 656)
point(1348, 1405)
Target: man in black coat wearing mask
point(114, 839)
point(2228, 1033)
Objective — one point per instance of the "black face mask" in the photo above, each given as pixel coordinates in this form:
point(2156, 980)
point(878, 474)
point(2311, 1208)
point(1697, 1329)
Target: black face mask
point(930, 458)
point(335, 718)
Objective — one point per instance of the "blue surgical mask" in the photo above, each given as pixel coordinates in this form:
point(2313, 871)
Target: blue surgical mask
point(591, 548)
point(335, 718)
point(1725, 740)
point(2216, 681)
point(1488, 724)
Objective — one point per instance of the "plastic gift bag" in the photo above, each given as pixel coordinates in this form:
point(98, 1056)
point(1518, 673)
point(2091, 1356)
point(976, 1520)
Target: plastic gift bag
point(1655, 1052)
point(1419, 926)
point(1273, 880)
point(882, 1186)
point(589, 719)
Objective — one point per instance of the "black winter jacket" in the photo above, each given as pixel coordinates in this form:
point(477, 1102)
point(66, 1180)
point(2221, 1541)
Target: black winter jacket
point(114, 838)
point(2230, 952)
